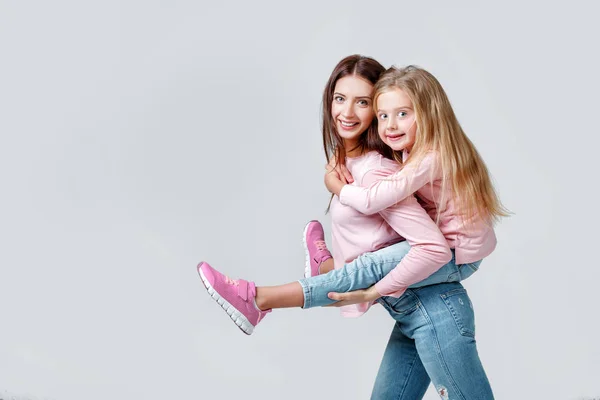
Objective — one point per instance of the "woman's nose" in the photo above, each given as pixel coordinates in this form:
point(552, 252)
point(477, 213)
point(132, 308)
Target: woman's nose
point(348, 110)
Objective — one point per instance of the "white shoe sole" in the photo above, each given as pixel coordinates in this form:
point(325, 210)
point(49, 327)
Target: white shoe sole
point(236, 316)
point(307, 254)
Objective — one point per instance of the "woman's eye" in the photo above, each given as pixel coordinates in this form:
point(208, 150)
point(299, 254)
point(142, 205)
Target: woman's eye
point(363, 103)
point(339, 99)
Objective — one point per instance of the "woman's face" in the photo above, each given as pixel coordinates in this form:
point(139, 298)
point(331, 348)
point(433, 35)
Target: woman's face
point(351, 107)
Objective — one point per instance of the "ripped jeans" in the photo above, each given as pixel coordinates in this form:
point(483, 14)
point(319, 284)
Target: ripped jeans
point(433, 340)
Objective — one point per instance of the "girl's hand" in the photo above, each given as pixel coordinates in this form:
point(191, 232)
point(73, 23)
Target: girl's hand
point(344, 175)
point(333, 182)
point(335, 178)
point(355, 297)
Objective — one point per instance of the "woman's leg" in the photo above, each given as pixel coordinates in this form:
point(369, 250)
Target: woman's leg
point(443, 327)
point(401, 373)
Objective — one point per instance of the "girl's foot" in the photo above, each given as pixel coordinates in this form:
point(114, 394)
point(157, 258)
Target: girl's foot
point(236, 297)
point(315, 248)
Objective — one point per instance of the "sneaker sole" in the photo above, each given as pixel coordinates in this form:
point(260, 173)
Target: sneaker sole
point(307, 268)
point(236, 316)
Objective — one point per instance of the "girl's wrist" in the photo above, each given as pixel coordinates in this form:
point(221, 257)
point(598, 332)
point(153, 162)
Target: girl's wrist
point(339, 185)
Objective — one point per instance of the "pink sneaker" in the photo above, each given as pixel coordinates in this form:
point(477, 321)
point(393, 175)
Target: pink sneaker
point(315, 248)
point(236, 297)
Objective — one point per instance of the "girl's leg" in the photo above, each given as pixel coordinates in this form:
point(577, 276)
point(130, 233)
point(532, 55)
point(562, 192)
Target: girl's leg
point(242, 298)
point(401, 373)
point(359, 274)
point(363, 272)
point(282, 296)
point(326, 266)
point(443, 327)
point(247, 305)
point(318, 257)
point(370, 268)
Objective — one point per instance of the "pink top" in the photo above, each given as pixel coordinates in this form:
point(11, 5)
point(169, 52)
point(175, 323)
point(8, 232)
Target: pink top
point(470, 243)
point(354, 233)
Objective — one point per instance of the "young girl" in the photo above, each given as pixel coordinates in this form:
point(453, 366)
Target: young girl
point(349, 132)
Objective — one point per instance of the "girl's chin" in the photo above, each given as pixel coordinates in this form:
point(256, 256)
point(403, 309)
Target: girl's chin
point(395, 146)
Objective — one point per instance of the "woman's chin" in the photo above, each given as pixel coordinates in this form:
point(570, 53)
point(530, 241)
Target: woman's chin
point(349, 135)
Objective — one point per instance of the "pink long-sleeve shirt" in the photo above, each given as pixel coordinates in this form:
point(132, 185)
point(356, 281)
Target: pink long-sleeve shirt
point(354, 233)
point(470, 242)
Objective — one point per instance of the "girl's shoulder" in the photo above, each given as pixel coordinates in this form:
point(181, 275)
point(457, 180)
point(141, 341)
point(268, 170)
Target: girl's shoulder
point(429, 160)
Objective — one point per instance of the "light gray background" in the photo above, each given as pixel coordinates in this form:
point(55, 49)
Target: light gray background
point(140, 137)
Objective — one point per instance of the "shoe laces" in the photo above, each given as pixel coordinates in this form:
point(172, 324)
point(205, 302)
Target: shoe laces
point(320, 244)
point(234, 282)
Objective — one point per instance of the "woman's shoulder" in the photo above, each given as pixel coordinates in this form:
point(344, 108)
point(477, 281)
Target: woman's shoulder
point(373, 167)
point(377, 161)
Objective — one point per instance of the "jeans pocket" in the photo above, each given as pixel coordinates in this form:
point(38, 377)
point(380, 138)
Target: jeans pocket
point(466, 270)
point(460, 307)
point(400, 306)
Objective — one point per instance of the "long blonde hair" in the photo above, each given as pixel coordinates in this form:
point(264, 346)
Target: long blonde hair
point(464, 173)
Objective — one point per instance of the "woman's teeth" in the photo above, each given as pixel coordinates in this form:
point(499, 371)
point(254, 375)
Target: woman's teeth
point(348, 124)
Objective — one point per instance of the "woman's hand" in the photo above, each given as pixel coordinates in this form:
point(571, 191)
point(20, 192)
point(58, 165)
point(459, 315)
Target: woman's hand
point(355, 297)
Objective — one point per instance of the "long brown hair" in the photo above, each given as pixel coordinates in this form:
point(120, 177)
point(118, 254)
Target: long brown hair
point(370, 70)
point(464, 173)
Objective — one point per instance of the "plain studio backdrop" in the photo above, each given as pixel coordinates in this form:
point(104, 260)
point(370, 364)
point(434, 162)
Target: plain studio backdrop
point(141, 137)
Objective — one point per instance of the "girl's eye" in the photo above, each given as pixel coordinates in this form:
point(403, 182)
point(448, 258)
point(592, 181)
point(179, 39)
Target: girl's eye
point(402, 114)
point(382, 116)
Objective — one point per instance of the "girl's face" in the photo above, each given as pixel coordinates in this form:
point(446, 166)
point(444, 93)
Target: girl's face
point(396, 120)
point(351, 107)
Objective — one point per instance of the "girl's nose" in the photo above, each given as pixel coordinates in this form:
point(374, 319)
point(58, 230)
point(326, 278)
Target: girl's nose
point(392, 124)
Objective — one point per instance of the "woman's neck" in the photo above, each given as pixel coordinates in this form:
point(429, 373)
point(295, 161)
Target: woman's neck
point(352, 148)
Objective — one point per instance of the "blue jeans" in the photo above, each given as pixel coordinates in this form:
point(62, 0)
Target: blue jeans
point(370, 268)
point(433, 340)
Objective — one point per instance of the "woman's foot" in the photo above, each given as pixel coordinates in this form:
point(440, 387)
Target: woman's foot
point(315, 248)
point(236, 297)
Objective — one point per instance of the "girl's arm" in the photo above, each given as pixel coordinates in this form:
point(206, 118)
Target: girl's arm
point(385, 192)
point(429, 249)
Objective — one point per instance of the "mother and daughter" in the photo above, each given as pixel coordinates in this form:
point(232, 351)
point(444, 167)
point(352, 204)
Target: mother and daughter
point(416, 219)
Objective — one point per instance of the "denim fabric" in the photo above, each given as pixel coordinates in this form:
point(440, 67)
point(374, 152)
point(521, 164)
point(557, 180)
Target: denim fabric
point(433, 340)
point(370, 268)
